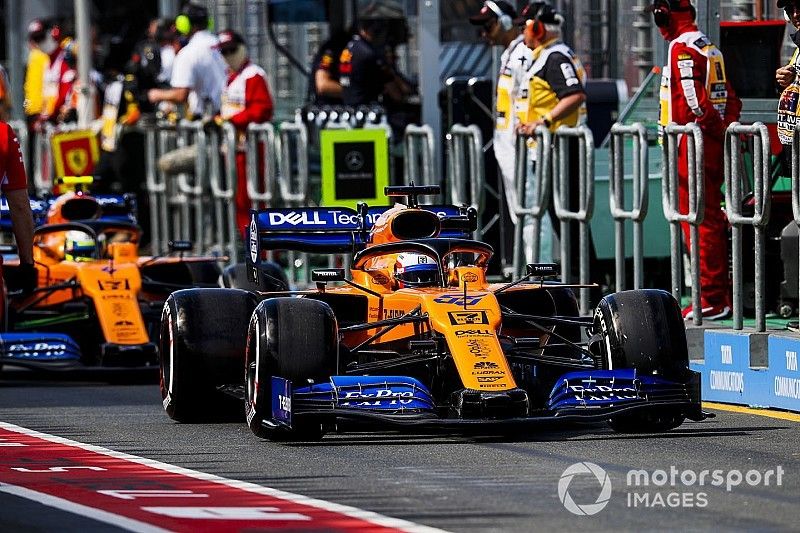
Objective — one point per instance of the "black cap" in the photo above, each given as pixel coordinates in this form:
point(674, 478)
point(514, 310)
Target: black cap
point(487, 13)
point(197, 14)
point(229, 39)
point(541, 11)
point(785, 3)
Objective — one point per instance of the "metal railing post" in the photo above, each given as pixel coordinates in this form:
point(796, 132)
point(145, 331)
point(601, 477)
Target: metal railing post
point(43, 160)
point(539, 182)
point(733, 208)
point(157, 189)
point(260, 191)
point(292, 147)
point(561, 194)
point(191, 195)
point(467, 183)
point(418, 141)
point(670, 205)
point(616, 199)
point(223, 190)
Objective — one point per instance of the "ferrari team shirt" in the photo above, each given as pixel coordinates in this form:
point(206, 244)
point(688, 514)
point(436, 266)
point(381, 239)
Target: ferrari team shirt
point(13, 169)
point(246, 99)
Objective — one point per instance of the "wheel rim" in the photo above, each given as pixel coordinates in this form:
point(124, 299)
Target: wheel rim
point(254, 347)
point(168, 362)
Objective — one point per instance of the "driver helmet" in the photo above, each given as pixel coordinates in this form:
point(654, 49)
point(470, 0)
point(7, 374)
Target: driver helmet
point(415, 270)
point(79, 246)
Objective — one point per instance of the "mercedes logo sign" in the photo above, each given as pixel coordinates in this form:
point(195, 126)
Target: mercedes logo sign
point(354, 160)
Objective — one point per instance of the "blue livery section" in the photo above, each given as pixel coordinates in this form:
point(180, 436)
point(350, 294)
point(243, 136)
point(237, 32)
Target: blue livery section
point(115, 207)
point(388, 394)
point(282, 401)
point(323, 229)
point(728, 376)
point(603, 388)
point(25, 348)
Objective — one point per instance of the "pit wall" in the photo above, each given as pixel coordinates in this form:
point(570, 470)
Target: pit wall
point(753, 369)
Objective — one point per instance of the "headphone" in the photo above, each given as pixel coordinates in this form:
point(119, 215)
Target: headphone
point(505, 21)
point(183, 22)
point(537, 26)
point(662, 12)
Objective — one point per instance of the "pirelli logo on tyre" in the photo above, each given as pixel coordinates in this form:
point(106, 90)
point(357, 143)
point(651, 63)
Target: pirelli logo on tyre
point(466, 318)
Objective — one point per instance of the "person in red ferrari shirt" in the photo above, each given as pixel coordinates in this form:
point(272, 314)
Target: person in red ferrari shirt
point(695, 88)
point(59, 77)
point(245, 99)
point(14, 185)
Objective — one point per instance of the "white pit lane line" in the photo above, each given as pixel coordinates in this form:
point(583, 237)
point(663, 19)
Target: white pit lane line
point(134, 525)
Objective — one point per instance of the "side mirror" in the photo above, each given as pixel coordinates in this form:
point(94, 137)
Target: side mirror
point(180, 246)
point(543, 270)
point(323, 275)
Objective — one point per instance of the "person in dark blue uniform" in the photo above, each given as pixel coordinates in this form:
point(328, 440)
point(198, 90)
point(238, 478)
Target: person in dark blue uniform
point(365, 75)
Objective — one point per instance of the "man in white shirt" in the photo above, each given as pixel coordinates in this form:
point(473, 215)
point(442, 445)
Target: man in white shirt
point(496, 19)
point(198, 72)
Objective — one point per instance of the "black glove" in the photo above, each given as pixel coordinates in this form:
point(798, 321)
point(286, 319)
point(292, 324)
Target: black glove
point(27, 277)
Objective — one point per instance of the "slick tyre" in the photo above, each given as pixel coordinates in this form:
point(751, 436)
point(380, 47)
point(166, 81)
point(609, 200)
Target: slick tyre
point(295, 339)
point(203, 336)
point(643, 329)
point(271, 278)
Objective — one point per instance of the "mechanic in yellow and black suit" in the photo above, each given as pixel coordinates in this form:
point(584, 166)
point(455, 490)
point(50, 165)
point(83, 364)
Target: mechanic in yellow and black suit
point(555, 95)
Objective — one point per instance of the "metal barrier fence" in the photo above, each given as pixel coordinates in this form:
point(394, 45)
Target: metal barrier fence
point(418, 141)
point(616, 199)
point(533, 186)
point(759, 219)
point(465, 171)
point(670, 204)
point(198, 204)
point(561, 196)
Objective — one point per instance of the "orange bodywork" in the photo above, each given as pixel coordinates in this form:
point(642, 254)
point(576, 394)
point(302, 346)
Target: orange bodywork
point(469, 320)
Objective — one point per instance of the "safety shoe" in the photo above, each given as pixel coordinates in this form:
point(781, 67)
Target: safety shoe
point(710, 312)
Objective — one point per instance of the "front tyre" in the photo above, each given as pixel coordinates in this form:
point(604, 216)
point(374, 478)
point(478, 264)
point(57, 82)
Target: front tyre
point(644, 330)
point(295, 339)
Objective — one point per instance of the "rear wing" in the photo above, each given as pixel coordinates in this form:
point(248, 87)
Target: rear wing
point(114, 207)
point(334, 230)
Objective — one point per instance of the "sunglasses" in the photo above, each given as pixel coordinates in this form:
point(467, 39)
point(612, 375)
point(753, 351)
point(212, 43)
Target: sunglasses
point(488, 25)
point(228, 51)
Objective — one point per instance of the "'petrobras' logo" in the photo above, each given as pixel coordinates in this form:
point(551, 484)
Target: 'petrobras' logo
point(294, 218)
point(253, 239)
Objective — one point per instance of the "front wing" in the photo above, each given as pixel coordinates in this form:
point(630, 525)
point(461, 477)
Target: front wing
point(577, 397)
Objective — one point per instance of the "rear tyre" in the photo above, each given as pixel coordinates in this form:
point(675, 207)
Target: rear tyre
point(644, 329)
point(202, 343)
point(295, 339)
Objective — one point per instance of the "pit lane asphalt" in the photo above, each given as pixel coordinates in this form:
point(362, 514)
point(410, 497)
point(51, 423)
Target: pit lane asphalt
point(453, 482)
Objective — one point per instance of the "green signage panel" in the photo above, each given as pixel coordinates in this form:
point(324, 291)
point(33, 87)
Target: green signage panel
point(355, 166)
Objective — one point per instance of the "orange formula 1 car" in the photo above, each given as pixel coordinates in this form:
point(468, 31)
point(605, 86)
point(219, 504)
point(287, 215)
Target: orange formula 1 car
point(96, 300)
point(416, 336)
